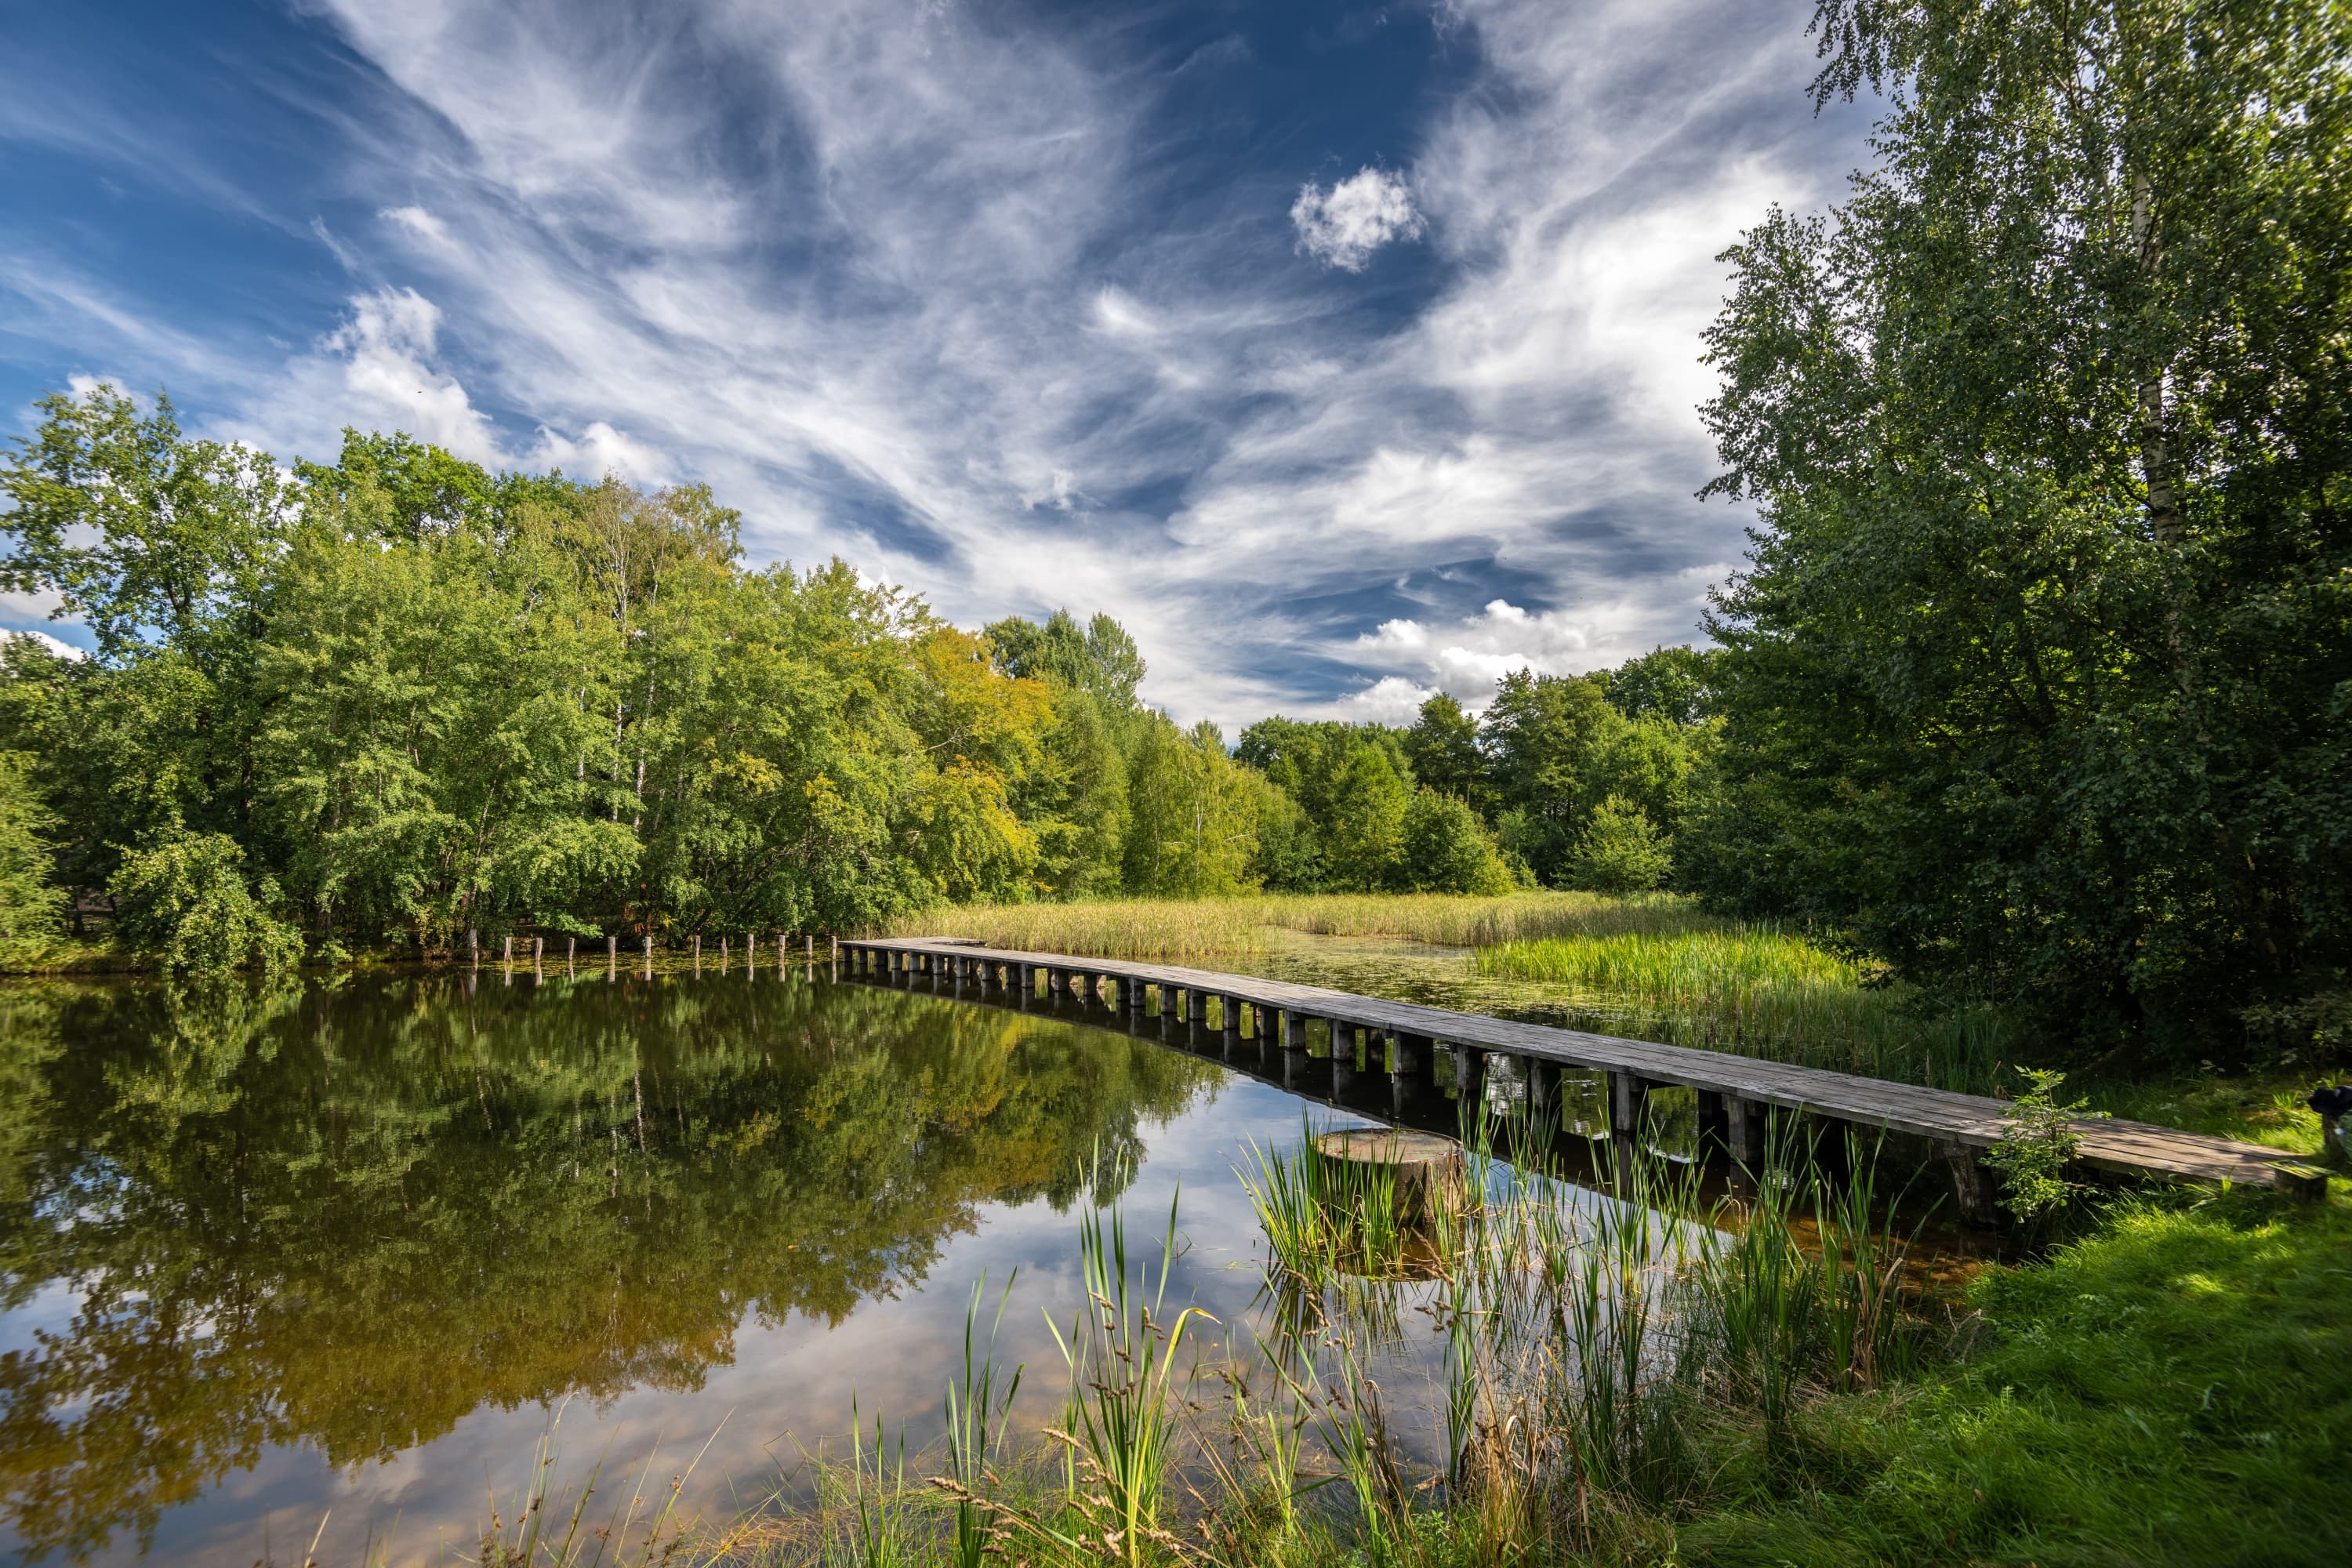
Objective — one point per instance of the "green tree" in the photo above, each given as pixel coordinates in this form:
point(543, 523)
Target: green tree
point(30, 901)
point(183, 897)
point(1676, 684)
point(1550, 739)
point(1445, 848)
point(1193, 814)
point(2041, 676)
point(1364, 835)
point(1350, 783)
point(1620, 850)
point(1442, 746)
point(165, 546)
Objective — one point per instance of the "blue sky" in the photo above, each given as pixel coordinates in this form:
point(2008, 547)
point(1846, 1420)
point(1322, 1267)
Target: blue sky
point(1344, 352)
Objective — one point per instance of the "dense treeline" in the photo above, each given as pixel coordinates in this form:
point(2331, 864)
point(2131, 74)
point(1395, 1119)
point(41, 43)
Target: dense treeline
point(401, 700)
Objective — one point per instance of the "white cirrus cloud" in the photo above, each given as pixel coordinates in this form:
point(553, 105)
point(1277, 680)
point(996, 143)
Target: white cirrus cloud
point(1341, 227)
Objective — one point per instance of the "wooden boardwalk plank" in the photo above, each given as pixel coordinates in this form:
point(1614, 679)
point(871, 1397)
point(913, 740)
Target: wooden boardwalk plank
point(1950, 1119)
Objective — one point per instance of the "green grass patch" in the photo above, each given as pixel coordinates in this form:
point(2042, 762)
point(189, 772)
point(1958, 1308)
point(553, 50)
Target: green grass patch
point(2175, 1388)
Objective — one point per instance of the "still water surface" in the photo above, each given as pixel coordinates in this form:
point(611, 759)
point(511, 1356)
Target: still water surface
point(341, 1248)
point(348, 1243)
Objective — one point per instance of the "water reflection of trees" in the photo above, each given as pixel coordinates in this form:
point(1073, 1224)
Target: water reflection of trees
point(350, 1216)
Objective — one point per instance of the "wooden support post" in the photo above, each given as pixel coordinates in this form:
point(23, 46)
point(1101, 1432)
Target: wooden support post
point(538, 945)
point(1470, 1075)
point(1627, 1095)
point(570, 951)
point(1409, 1055)
point(2304, 1183)
point(509, 950)
point(1543, 1093)
point(1972, 1185)
point(612, 950)
point(1711, 1132)
point(1743, 1126)
point(1229, 1017)
point(1294, 1030)
point(1343, 1063)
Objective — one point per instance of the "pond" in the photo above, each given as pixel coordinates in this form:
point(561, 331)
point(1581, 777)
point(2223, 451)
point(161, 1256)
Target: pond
point(341, 1248)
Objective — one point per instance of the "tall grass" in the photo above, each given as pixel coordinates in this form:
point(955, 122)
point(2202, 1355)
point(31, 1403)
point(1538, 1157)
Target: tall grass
point(1122, 1420)
point(1324, 1216)
point(976, 1426)
point(1759, 991)
point(1172, 929)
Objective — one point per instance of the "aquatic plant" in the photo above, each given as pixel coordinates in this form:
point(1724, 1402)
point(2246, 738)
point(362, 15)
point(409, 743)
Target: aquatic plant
point(976, 1425)
point(1121, 1422)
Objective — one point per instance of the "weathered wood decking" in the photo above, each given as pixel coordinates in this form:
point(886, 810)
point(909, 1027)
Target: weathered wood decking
point(1733, 1090)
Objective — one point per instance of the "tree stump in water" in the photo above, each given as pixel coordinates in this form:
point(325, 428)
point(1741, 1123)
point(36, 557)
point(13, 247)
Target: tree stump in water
point(1428, 1168)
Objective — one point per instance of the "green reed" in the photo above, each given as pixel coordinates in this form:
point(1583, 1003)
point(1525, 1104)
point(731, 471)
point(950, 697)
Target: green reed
point(1181, 928)
point(1760, 991)
point(1773, 1320)
point(872, 1501)
point(1324, 1216)
point(1122, 1422)
point(976, 1430)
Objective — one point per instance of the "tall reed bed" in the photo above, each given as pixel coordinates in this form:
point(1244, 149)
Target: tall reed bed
point(1170, 928)
point(1759, 991)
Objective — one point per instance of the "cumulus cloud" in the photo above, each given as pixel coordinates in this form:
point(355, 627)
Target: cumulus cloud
point(385, 349)
point(1343, 225)
point(1466, 658)
point(1391, 700)
point(58, 646)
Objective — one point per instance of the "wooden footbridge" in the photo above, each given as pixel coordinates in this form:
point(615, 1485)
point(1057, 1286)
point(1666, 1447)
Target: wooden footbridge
point(1735, 1093)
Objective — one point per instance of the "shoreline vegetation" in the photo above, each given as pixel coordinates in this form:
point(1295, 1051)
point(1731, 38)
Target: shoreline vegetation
point(1641, 1379)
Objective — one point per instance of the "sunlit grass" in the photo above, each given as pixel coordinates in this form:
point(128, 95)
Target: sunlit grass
point(1759, 991)
point(1168, 927)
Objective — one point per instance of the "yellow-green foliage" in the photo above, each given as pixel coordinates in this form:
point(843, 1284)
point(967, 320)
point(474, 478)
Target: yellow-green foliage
point(1145, 927)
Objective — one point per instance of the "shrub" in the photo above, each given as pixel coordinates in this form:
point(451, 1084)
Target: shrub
point(2036, 1144)
point(182, 897)
point(1620, 851)
point(1448, 850)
